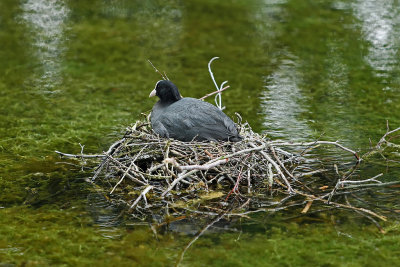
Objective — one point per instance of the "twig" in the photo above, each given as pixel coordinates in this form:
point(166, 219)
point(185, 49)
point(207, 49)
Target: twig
point(280, 143)
point(307, 207)
point(372, 185)
point(367, 216)
point(182, 176)
point(180, 258)
point(196, 167)
point(215, 92)
point(289, 187)
point(218, 98)
point(110, 150)
point(142, 195)
point(163, 76)
point(123, 167)
point(127, 170)
point(373, 179)
point(79, 155)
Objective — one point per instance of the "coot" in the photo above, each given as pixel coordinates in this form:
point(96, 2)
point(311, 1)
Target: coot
point(188, 119)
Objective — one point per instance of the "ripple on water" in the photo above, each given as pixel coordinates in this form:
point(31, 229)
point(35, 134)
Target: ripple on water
point(105, 215)
point(46, 19)
point(378, 21)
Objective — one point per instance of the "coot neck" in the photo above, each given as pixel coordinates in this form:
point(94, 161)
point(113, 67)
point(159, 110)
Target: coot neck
point(167, 102)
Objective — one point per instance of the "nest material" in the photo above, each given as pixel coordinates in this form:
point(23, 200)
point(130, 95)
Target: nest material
point(160, 177)
point(148, 172)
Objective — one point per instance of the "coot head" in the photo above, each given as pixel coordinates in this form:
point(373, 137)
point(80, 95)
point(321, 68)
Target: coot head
point(166, 91)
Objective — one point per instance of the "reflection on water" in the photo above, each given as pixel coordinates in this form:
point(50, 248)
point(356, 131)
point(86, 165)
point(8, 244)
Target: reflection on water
point(105, 215)
point(46, 19)
point(379, 20)
point(337, 73)
point(337, 80)
point(282, 97)
point(281, 102)
point(115, 9)
point(156, 21)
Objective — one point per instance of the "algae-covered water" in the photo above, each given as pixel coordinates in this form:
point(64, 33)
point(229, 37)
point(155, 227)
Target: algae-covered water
point(76, 72)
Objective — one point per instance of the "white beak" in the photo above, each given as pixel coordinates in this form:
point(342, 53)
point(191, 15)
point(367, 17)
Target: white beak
point(153, 93)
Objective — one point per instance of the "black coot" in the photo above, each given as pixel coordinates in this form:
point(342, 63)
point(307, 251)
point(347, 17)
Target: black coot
point(188, 119)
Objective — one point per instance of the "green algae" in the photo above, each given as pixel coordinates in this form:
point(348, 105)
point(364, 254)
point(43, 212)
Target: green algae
point(49, 236)
point(100, 84)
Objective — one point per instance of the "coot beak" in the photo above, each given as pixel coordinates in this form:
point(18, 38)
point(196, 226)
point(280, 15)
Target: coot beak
point(153, 93)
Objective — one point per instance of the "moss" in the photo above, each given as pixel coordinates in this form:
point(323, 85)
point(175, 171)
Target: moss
point(67, 237)
point(102, 84)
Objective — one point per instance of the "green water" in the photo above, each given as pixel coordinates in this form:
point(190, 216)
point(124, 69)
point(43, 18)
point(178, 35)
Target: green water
point(76, 72)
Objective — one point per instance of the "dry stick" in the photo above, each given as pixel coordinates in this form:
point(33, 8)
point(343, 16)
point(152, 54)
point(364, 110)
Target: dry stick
point(353, 195)
point(79, 156)
point(123, 168)
point(195, 167)
point(371, 185)
point(310, 173)
point(235, 187)
point(307, 207)
point(248, 182)
point(156, 167)
point(127, 170)
point(276, 166)
point(373, 179)
point(142, 195)
point(204, 166)
point(344, 177)
point(312, 197)
point(122, 178)
point(319, 143)
point(367, 216)
point(332, 193)
point(215, 92)
point(110, 149)
point(197, 237)
point(182, 176)
point(162, 76)
point(218, 96)
point(177, 180)
point(267, 210)
point(280, 163)
point(381, 141)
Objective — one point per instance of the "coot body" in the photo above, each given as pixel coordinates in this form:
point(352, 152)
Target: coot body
point(188, 119)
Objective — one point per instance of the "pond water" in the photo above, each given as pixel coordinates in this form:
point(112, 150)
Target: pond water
point(76, 72)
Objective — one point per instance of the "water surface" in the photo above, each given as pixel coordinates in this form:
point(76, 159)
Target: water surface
point(76, 72)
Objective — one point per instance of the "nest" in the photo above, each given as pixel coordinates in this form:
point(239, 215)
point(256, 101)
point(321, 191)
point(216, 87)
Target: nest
point(157, 178)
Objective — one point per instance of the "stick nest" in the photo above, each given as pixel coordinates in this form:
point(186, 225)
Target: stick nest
point(158, 177)
point(162, 178)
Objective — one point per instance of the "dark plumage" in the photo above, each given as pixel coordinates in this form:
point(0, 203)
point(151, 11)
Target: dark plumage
point(188, 119)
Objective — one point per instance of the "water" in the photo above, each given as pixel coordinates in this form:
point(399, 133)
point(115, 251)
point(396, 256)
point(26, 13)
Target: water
point(76, 72)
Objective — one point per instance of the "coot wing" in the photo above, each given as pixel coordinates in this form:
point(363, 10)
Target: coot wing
point(190, 118)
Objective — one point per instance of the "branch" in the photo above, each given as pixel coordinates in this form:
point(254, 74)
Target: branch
point(78, 156)
point(197, 237)
point(319, 143)
point(276, 166)
point(213, 93)
point(195, 167)
point(142, 195)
